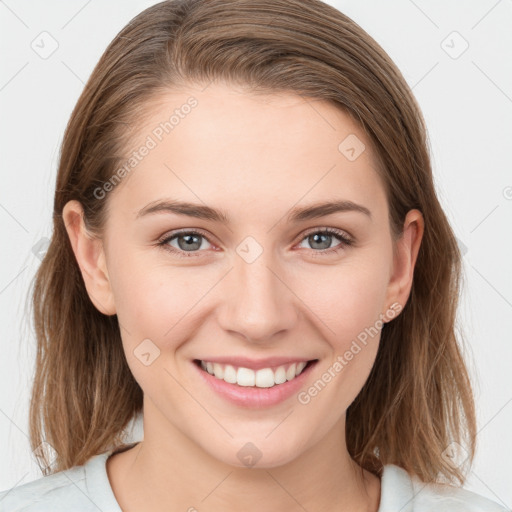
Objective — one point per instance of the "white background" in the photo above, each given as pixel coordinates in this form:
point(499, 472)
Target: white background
point(467, 104)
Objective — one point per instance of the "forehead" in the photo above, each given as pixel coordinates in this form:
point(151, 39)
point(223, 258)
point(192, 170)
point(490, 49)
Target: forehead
point(229, 147)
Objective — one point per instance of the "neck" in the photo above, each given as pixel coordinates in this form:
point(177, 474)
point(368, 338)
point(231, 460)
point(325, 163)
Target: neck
point(168, 471)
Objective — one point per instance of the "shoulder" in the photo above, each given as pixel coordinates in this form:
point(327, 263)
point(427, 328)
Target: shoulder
point(72, 489)
point(61, 488)
point(405, 492)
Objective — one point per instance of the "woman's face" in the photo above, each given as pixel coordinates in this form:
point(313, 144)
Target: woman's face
point(258, 279)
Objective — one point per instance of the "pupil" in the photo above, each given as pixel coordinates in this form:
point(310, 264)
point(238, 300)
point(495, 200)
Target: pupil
point(316, 237)
point(190, 241)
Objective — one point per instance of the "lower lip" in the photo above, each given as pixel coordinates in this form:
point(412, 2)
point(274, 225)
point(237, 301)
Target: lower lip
point(253, 397)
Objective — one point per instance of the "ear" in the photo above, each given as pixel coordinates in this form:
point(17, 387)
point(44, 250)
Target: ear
point(90, 257)
point(405, 254)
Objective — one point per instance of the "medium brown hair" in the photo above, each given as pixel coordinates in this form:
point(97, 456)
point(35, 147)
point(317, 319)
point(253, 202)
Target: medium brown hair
point(418, 398)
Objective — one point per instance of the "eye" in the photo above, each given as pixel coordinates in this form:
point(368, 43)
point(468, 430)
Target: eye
point(187, 242)
point(190, 242)
point(322, 239)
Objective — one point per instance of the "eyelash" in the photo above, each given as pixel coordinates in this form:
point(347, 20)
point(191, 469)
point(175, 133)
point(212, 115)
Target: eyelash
point(342, 237)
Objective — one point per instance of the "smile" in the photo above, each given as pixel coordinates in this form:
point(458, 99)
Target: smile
point(269, 383)
point(262, 378)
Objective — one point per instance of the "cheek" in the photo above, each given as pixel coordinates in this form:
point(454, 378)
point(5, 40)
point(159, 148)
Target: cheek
point(164, 304)
point(347, 298)
point(155, 309)
point(151, 300)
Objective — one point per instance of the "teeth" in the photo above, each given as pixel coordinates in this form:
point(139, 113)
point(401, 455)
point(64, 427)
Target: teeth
point(245, 377)
point(290, 373)
point(280, 375)
point(229, 374)
point(300, 367)
point(218, 371)
point(263, 378)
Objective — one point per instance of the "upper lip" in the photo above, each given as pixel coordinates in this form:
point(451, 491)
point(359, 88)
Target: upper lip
point(255, 364)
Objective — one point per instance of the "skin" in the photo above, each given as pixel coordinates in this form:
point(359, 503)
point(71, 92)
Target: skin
point(293, 301)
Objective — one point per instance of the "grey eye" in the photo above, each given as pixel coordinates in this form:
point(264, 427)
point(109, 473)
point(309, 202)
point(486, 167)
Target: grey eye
point(320, 240)
point(188, 242)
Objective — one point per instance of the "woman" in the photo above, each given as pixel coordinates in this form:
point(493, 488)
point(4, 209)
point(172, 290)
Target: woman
point(248, 250)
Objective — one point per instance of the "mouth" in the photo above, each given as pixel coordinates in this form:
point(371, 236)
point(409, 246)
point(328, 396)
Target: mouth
point(265, 377)
point(255, 388)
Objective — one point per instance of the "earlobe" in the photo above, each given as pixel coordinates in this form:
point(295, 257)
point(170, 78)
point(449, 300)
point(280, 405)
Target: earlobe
point(405, 255)
point(90, 256)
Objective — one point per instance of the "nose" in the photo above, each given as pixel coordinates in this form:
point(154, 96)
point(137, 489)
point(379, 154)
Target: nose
point(257, 301)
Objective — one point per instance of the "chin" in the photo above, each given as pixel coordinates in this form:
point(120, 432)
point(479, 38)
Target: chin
point(258, 452)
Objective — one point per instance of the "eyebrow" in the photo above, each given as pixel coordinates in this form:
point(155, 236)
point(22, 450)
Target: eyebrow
point(297, 214)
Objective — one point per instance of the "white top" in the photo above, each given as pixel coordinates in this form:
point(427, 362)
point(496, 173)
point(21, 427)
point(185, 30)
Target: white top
point(87, 489)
